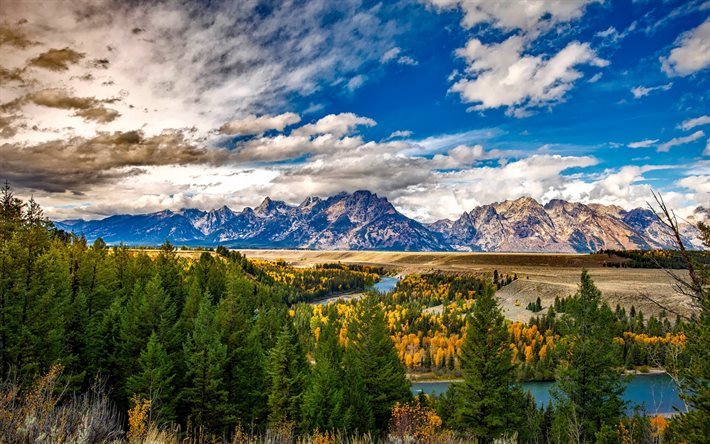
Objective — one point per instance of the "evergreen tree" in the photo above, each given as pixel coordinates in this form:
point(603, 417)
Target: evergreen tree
point(323, 399)
point(206, 358)
point(245, 377)
point(149, 309)
point(287, 370)
point(376, 376)
point(590, 385)
point(487, 398)
point(154, 381)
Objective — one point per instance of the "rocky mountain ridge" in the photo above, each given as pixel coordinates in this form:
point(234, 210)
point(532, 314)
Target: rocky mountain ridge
point(364, 221)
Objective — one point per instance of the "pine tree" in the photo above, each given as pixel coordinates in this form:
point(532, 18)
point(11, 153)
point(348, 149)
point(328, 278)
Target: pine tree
point(287, 370)
point(206, 360)
point(147, 310)
point(590, 385)
point(154, 381)
point(374, 371)
point(323, 399)
point(487, 398)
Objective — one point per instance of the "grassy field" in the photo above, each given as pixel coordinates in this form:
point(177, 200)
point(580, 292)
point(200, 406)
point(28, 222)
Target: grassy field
point(543, 275)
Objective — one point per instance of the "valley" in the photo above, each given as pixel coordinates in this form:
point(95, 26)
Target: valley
point(543, 275)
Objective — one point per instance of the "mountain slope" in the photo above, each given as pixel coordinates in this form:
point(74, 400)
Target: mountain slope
point(357, 221)
point(560, 226)
point(365, 221)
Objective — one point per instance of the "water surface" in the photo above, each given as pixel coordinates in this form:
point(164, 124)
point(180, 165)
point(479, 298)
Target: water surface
point(657, 392)
point(385, 284)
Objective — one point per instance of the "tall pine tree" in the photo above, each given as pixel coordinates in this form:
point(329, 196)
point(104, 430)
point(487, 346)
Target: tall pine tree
point(287, 370)
point(376, 376)
point(487, 400)
point(154, 381)
point(590, 385)
point(323, 400)
point(206, 357)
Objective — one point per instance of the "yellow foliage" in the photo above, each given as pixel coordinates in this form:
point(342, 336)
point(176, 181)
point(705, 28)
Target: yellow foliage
point(414, 422)
point(138, 420)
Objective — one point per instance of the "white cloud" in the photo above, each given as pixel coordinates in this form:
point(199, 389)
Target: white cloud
point(406, 60)
point(528, 15)
point(506, 74)
point(501, 75)
point(692, 123)
point(395, 54)
point(665, 147)
point(257, 125)
point(699, 184)
point(356, 82)
point(643, 143)
point(642, 91)
point(706, 152)
point(390, 54)
point(692, 53)
point(336, 124)
point(399, 134)
point(178, 65)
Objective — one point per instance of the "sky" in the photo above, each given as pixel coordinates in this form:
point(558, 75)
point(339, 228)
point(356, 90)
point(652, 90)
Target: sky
point(113, 107)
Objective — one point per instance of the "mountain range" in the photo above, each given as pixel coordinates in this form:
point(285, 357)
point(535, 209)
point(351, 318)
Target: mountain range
point(364, 221)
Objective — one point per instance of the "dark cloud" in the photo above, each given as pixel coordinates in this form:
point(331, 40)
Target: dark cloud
point(11, 75)
point(7, 130)
point(13, 37)
point(89, 108)
point(99, 114)
point(100, 63)
point(60, 98)
point(77, 164)
point(57, 59)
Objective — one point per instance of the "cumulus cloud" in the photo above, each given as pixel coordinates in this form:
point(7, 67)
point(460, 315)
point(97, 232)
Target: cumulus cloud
point(188, 65)
point(507, 73)
point(692, 53)
point(666, 146)
point(699, 184)
point(78, 164)
point(252, 124)
point(692, 123)
point(527, 16)
point(643, 143)
point(501, 75)
point(337, 125)
point(642, 91)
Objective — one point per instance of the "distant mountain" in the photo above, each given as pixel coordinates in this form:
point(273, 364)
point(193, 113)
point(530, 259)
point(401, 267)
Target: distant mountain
point(560, 226)
point(357, 221)
point(365, 221)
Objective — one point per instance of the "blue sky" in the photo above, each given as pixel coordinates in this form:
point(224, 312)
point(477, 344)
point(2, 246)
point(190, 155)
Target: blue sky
point(440, 105)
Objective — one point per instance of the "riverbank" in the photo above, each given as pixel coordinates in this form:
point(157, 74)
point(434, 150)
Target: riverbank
point(432, 377)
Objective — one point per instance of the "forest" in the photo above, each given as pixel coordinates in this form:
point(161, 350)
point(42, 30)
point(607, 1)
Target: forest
point(101, 343)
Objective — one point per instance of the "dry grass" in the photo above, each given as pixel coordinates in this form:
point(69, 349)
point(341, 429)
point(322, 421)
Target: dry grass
point(540, 274)
point(42, 414)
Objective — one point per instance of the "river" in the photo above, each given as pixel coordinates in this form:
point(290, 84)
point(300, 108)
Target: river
point(385, 284)
point(657, 392)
